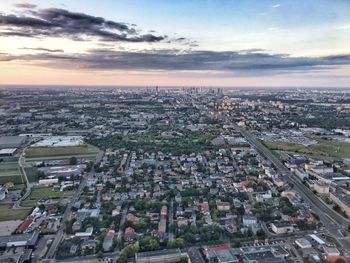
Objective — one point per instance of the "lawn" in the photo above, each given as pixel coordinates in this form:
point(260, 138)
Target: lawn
point(8, 166)
point(41, 192)
point(35, 152)
point(9, 171)
point(8, 213)
point(32, 174)
point(328, 148)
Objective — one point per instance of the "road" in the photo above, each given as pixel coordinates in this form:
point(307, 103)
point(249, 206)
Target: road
point(60, 233)
point(21, 163)
point(122, 221)
point(91, 258)
point(195, 255)
point(41, 248)
point(65, 217)
point(171, 219)
point(332, 221)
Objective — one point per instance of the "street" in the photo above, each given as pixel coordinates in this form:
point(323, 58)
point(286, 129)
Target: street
point(66, 214)
point(332, 221)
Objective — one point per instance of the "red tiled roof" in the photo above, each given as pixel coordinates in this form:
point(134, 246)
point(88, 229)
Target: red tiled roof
point(26, 223)
point(220, 247)
point(333, 259)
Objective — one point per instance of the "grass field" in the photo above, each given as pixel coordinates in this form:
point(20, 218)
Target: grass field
point(41, 192)
point(327, 148)
point(62, 157)
point(9, 171)
point(32, 174)
point(8, 166)
point(8, 213)
point(47, 152)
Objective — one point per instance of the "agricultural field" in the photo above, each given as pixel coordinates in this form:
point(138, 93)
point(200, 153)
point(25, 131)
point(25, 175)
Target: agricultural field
point(9, 171)
point(8, 213)
point(54, 153)
point(325, 148)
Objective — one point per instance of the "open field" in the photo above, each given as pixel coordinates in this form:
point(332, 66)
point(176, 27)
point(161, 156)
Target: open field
point(90, 157)
point(327, 148)
point(41, 192)
point(38, 154)
point(9, 171)
point(8, 227)
point(8, 166)
point(32, 174)
point(8, 213)
point(34, 152)
point(12, 159)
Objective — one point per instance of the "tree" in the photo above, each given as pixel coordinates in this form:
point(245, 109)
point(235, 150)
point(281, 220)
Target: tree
point(340, 260)
point(122, 258)
point(73, 160)
point(176, 243)
point(337, 208)
point(100, 254)
point(148, 243)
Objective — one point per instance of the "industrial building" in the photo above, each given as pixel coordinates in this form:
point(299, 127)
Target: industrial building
point(303, 243)
point(22, 240)
point(281, 228)
point(7, 152)
point(17, 256)
point(11, 141)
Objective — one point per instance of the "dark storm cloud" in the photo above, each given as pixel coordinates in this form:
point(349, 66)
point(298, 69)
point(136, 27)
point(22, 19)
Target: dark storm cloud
point(54, 22)
point(240, 63)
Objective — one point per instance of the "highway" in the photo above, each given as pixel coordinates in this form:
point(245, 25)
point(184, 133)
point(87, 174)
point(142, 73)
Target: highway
point(332, 221)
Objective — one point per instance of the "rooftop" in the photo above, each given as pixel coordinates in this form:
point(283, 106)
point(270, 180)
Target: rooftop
point(11, 141)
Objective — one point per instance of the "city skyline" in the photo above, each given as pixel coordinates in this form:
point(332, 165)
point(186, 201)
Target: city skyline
point(231, 43)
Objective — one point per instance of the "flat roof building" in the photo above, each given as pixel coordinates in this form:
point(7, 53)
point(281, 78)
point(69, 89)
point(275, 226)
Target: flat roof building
point(11, 141)
point(23, 240)
point(262, 257)
point(317, 239)
point(224, 256)
point(7, 152)
point(303, 243)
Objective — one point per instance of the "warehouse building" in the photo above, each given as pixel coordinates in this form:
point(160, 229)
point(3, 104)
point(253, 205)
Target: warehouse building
point(7, 152)
point(303, 243)
point(22, 240)
point(11, 141)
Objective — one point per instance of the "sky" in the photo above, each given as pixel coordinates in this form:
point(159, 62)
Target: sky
point(278, 43)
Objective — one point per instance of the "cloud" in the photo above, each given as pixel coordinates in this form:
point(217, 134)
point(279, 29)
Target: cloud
point(245, 62)
point(276, 6)
point(25, 5)
point(43, 49)
point(55, 22)
point(6, 57)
